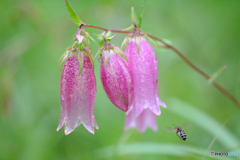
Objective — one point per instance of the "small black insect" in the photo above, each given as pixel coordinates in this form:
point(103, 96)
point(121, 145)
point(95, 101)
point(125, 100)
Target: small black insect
point(179, 131)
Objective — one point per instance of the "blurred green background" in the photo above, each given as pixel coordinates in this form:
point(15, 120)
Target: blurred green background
point(34, 34)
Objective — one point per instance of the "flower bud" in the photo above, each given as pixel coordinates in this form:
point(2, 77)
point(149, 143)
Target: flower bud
point(116, 79)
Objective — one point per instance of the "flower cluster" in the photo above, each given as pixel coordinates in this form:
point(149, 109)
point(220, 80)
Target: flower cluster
point(130, 79)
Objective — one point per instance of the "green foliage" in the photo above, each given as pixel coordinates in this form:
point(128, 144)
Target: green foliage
point(101, 39)
point(138, 19)
point(73, 15)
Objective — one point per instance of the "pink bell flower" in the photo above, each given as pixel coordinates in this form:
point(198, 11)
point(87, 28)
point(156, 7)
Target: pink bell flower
point(144, 73)
point(116, 78)
point(77, 94)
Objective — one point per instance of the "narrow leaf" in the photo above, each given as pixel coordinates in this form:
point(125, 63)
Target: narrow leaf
point(73, 15)
point(140, 15)
point(133, 15)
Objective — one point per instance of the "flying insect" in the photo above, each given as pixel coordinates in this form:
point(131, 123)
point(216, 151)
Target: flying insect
point(179, 131)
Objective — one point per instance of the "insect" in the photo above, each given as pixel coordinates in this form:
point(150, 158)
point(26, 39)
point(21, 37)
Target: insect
point(179, 131)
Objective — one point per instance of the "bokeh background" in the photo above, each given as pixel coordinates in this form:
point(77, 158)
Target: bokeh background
point(35, 33)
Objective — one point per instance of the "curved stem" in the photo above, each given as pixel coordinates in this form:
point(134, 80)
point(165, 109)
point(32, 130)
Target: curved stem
point(218, 86)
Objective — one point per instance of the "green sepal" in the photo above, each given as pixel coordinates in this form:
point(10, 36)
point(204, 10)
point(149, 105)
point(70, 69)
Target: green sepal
point(66, 52)
point(124, 43)
point(89, 54)
point(81, 61)
point(99, 51)
point(81, 46)
point(107, 53)
point(73, 15)
point(65, 55)
point(129, 28)
point(138, 41)
point(133, 15)
point(140, 15)
point(121, 53)
point(87, 35)
point(101, 39)
point(216, 74)
point(150, 39)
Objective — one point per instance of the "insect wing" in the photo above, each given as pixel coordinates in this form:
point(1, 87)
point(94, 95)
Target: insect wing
point(186, 126)
point(170, 129)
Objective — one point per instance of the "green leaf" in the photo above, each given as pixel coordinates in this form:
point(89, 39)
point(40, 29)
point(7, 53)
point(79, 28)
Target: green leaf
point(108, 35)
point(133, 15)
point(100, 38)
point(73, 15)
point(140, 15)
point(151, 148)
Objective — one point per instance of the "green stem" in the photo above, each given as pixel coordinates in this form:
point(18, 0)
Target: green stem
point(218, 86)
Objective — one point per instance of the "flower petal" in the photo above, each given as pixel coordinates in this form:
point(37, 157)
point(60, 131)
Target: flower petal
point(145, 119)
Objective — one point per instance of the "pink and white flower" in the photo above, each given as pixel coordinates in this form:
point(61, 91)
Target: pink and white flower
point(77, 94)
point(144, 73)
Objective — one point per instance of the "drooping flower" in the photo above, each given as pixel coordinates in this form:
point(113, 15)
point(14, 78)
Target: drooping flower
point(146, 118)
point(78, 90)
point(144, 73)
point(115, 77)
